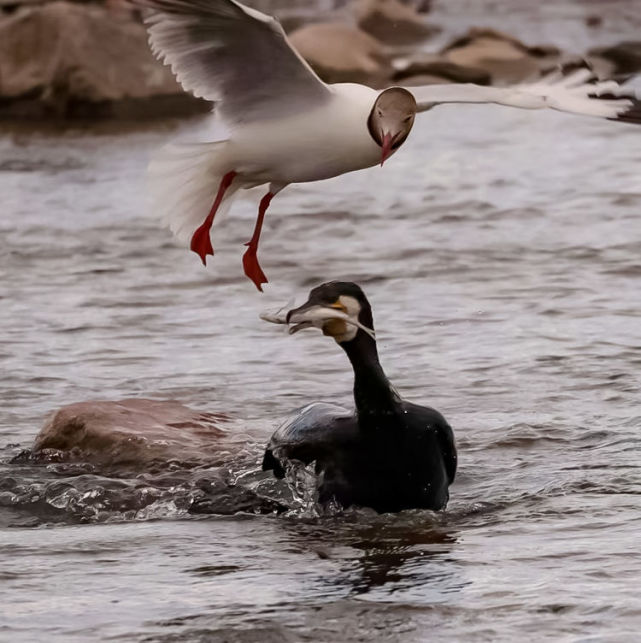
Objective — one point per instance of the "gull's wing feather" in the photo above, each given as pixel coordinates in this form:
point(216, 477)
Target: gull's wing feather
point(577, 93)
point(234, 55)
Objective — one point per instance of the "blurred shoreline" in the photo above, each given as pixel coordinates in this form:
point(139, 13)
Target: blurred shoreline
point(86, 62)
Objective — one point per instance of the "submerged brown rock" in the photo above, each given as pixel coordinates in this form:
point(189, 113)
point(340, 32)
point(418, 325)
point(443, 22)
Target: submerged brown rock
point(132, 431)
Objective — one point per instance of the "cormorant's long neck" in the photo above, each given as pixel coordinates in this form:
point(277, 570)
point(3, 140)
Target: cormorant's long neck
point(373, 394)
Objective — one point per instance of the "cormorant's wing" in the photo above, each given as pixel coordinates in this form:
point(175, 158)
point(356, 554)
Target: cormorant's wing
point(226, 52)
point(448, 448)
point(578, 93)
point(427, 417)
point(312, 432)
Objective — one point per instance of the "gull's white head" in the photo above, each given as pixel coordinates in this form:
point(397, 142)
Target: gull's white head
point(338, 308)
point(391, 119)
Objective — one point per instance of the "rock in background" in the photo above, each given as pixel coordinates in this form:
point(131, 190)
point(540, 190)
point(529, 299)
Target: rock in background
point(619, 61)
point(505, 59)
point(341, 53)
point(425, 69)
point(91, 60)
point(392, 22)
point(66, 59)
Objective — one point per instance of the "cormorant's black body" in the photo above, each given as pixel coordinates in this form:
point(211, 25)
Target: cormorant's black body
point(389, 455)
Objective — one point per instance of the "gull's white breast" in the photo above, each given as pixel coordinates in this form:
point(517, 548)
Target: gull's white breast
point(317, 144)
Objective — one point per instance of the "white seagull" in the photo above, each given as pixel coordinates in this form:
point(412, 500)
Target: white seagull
point(284, 125)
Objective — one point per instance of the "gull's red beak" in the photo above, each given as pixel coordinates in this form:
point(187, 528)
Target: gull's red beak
point(386, 144)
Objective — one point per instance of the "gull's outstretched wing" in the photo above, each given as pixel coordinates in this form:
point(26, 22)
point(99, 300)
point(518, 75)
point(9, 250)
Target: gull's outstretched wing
point(578, 93)
point(234, 55)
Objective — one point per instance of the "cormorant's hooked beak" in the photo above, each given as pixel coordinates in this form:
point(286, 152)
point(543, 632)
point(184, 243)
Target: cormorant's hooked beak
point(386, 144)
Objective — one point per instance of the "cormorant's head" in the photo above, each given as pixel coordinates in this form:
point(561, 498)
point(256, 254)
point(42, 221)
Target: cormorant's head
point(338, 308)
point(391, 119)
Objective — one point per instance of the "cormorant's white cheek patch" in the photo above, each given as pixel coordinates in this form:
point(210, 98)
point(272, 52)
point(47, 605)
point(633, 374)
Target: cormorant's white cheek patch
point(352, 310)
point(351, 305)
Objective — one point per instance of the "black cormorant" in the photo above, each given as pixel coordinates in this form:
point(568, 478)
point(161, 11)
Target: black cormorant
point(389, 454)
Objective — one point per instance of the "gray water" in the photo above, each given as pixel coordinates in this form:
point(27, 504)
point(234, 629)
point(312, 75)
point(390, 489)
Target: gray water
point(501, 252)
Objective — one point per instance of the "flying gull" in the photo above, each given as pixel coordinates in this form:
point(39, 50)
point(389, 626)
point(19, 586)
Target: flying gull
point(283, 125)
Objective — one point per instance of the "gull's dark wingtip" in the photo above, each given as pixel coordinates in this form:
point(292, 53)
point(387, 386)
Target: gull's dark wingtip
point(632, 114)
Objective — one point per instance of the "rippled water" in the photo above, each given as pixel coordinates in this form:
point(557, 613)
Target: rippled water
point(501, 251)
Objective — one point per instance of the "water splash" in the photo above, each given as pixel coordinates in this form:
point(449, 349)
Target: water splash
point(41, 488)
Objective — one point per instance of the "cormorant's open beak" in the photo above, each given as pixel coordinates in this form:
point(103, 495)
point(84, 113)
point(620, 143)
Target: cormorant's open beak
point(386, 144)
point(311, 315)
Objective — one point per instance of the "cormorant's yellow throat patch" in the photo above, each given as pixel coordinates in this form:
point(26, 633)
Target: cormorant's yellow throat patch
point(334, 327)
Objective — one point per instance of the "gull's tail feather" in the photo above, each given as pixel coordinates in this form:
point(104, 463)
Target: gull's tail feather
point(183, 182)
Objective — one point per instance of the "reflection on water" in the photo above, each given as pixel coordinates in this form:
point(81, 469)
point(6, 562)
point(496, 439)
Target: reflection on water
point(398, 562)
point(500, 251)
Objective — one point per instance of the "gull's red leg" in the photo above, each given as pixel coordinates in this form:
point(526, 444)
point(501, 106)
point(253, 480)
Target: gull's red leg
point(250, 259)
point(201, 241)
